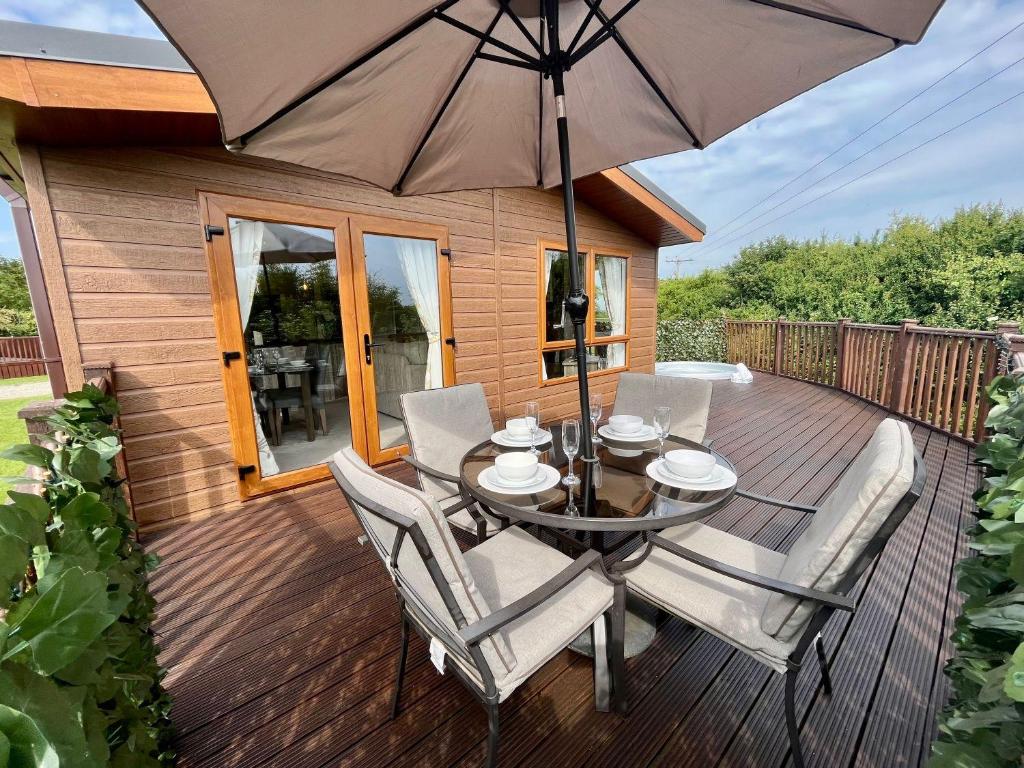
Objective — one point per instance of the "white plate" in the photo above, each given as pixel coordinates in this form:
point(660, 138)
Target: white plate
point(501, 437)
point(719, 480)
point(644, 435)
point(549, 477)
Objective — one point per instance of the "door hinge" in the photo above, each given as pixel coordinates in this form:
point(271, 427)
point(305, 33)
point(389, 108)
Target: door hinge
point(248, 469)
point(447, 253)
point(229, 356)
point(450, 341)
point(210, 230)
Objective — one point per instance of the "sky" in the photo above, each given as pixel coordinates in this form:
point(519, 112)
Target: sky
point(982, 161)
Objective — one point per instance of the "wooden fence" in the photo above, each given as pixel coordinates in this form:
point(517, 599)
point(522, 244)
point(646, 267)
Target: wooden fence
point(936, 376)
point(20, 356)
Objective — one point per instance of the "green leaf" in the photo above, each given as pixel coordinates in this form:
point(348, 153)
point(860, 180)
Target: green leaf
point(86, 511)
point(25, 743)
point(961, 755)
point(55, 627)
point(87, 465)
point(1016, 570)
point(19, 523)
point(13, 562)
point(34, 455)
point(32, 503)
point(1013, 685)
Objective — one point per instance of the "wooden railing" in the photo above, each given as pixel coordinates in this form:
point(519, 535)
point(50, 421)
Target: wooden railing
point(20, 356)
point(936, 376)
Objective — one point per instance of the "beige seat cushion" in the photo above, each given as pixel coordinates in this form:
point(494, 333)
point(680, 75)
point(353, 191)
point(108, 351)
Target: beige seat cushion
point(838, 533)
point(718, 604)
point(413, 571)
point(510, 565)
point(689, 399)
point(443, 425)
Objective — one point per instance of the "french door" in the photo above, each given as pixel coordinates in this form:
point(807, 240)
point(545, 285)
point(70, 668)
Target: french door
point(324, 320)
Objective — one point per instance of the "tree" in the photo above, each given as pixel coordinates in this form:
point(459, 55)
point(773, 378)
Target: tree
point(16, 318)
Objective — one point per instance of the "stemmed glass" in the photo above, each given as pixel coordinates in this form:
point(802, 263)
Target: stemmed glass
point(533, 419)
point(596, 406)
point(570, 446)
point(662, 426)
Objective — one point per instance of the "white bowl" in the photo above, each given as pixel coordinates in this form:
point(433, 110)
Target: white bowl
point(690, 465)
point(518, 428)
point(515, 467)
point(626, 425)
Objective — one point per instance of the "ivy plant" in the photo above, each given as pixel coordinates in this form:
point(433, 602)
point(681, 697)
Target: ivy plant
point(983, 723)
point(80, 686)
point(700, 340)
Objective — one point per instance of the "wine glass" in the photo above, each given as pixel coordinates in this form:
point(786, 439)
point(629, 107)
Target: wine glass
point(570, 445)
point(662, 426)
point(596, 406)
point(533, 419)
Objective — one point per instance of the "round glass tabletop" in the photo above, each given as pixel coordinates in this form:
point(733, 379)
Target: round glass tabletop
point(628, 497)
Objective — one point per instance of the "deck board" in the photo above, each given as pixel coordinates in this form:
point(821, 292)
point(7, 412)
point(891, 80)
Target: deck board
point(280, 633)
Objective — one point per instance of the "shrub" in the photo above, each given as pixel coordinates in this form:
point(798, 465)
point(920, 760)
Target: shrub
point(702, 340)
point(79, 681)
point(983, 723)
point(17, 322)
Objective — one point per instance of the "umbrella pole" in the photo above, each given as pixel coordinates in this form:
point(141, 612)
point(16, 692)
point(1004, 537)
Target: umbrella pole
point(578, 303)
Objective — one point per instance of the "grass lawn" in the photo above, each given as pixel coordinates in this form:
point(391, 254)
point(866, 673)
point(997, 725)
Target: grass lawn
point(21, 380)
point(12, 430)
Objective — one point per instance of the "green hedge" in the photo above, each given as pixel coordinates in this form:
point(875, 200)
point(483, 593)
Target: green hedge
point(17, 322)
point(702, 340)
point(79, 682)
point(983, 723)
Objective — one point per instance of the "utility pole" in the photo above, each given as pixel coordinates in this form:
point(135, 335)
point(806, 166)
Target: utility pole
point(677, 261)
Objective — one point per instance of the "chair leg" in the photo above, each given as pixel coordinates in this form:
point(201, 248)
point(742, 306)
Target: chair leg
point(826, 677)
point(323, 421)
point(396, 696)
point(620, 694)
point(492, 735)
point(791, 724)
point(599, 642)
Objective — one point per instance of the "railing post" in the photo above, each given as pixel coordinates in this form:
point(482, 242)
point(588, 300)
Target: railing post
point(778, 344)
point(840, 351)
point(901, 370)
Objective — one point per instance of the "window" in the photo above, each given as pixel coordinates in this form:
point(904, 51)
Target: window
point(606, 278)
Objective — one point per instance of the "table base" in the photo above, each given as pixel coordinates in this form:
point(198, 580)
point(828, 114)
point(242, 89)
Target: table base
point(641, 627)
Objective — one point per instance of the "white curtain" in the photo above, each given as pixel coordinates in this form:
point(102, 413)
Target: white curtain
point(613, 279)
point(418, 259)
point(246, 247)
point(550, 257)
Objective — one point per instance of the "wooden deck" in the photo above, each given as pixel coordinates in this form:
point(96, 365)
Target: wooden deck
point(280, 632)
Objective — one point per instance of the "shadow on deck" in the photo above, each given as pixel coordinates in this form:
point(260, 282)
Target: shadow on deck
point(281, 633)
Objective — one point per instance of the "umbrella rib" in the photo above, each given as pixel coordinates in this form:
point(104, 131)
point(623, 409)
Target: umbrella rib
point(447, 101)
point(486, 38)
point(540, 103)
point(522, 27)
point(635, 61)
point(606, 31)
point(510, 61)
point(401, 34)
point(591, 11)
point(780, 6)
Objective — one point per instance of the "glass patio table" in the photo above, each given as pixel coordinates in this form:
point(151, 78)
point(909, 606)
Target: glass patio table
point(628, 502)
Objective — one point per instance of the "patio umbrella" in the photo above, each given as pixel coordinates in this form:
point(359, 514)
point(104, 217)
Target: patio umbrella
point(423, 96)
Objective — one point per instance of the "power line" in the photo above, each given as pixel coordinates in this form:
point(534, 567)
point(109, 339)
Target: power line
point(868, 151)
point(870, 171)
point(724, 230)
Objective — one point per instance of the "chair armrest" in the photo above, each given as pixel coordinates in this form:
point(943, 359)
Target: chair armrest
point(430, 470)
point(776, 502)
point(842, 602)
point(457, 506)
point(491, 623)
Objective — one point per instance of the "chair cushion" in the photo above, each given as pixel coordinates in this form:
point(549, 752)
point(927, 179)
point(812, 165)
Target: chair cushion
point(689, 399)
point(424, 510)
point(718, 604)
point(510, 565)
point(443, 425)
point(839, 532)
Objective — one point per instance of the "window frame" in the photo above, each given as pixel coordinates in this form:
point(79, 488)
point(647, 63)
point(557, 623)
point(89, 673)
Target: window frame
point(590, 254)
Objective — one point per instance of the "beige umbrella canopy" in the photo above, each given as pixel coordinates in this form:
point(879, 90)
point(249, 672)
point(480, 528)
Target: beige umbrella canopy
point(423, 96)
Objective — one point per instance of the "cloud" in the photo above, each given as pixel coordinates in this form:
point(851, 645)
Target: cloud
point(122, 17)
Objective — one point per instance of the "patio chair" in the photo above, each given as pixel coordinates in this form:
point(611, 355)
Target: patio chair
point(690, 399)
point(772, 606)
point(443, 425)
point(494, 615)
point(282, 400)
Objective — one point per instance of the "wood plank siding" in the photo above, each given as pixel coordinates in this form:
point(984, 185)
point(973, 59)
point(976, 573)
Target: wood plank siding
point(281, 633)
point(126, 224)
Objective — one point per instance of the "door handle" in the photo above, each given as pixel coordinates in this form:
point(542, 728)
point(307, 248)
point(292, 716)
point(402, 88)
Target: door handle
point(368, 348)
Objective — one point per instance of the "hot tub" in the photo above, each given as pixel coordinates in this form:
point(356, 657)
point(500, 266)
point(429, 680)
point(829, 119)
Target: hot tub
point(694, 370)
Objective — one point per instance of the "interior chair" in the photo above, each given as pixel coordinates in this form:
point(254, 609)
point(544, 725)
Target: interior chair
point(772, 606)
point(443, 425)
point(495, 614)
point(291, 397)
point(690, 399)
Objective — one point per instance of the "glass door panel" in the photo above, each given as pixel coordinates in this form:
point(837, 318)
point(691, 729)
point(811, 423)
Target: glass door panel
point(286, 277)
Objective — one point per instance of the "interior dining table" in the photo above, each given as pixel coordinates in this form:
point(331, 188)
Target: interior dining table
point(631, 498)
